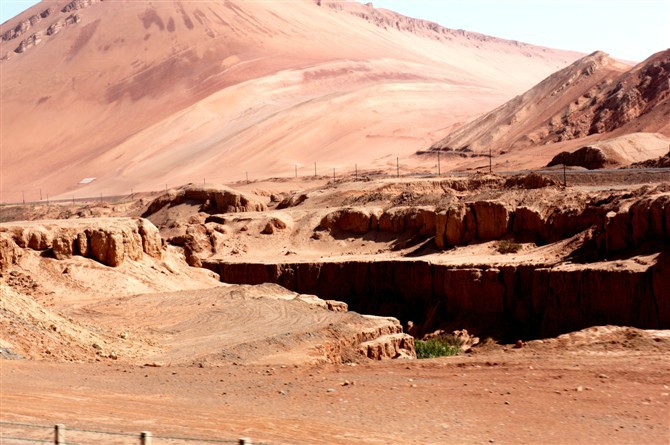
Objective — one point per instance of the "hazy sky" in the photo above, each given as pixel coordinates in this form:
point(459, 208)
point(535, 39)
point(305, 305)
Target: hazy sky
point(627, 29)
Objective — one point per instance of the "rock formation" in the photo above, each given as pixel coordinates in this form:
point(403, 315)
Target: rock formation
point(212, 199)
point(108, 241)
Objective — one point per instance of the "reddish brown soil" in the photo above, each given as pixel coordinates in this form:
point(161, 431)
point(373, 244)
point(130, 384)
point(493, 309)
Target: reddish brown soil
point(550, 395)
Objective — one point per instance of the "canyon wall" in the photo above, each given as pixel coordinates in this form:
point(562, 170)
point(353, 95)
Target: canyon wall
point(507, 302)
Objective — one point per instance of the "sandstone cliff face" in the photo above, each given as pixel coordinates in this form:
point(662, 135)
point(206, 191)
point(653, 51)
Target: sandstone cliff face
point(509, 302)
point(397, 220)
point(615, 226)
point(213, 199)
point(108, 241)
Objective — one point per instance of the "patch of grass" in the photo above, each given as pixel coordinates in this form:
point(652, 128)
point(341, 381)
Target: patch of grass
point(508, 246)
point(442, 346)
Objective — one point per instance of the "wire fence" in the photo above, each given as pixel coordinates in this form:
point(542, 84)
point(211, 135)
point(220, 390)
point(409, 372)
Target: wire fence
point(25, 433)
point(435, 168)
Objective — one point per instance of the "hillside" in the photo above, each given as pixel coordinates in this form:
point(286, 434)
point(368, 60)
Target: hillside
point(595, 97)
point(139, 95)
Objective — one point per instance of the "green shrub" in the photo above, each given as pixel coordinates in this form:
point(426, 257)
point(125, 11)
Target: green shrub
point(445, 345)
point(507, 246)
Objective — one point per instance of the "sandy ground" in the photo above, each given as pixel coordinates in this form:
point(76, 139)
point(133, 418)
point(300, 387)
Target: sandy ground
point(564, 394)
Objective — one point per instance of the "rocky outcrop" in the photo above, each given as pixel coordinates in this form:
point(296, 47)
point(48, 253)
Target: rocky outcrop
point(78, 4)
point(397, 220)
point(615, 225)
point(10, 252)
point(386, 340)
point(110, 241)
point(56, 27)
point(23, 26)
point(493, 219)
point(212, 199)
point(273, 225)
point(28, 43)
point(354, 220)
point(588, 157)
point(510, 302)
point(530, 181)
point(662, 162)
point(465, 223)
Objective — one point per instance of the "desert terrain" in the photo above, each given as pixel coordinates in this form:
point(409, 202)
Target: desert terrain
point(173, 261)
point(139, 94)
point(135, 342)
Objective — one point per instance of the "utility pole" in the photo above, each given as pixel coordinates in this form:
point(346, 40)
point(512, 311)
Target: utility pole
point(247, 177)
point(356, 171)
point(315, 169)
point(296, 170)
point(24, 196)
point(397, 167)
point(40, 194)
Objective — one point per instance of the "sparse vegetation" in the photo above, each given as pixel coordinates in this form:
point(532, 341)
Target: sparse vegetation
point(508, 246)
point(442, 346)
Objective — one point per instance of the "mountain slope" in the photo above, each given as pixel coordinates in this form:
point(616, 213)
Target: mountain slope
point(142, 94)
point(595, 96)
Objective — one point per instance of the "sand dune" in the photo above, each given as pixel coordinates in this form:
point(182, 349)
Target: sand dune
point(140, 94)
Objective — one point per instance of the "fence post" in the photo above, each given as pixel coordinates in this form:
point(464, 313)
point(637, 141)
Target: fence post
point(145, 438)
point(245, 441)
point(24, 196)
point(59, 434)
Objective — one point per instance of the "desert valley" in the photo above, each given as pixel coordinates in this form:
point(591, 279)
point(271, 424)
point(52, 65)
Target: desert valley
point(227, 222)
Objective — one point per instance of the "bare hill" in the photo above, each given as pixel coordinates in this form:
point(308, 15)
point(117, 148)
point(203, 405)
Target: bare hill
point(529, 118)
point(594, 96)
point(140, 94)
